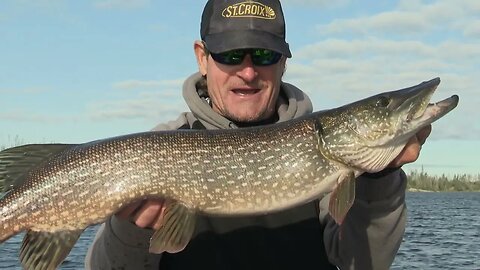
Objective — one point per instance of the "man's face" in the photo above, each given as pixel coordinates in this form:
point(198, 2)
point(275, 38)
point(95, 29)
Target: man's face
point(244, 92)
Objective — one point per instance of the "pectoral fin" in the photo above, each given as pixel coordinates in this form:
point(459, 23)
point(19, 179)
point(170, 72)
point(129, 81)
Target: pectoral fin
point(45, 250)
point(176, 231)
point(341, 199)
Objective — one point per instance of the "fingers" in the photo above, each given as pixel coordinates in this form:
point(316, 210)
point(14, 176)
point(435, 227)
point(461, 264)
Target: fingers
point(148, 214)
point(409, 153)
point(144, 214)
point(423, 134)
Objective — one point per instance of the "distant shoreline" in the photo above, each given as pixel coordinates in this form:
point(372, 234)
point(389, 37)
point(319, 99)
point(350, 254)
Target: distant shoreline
point(419, 190)
point(438, 191)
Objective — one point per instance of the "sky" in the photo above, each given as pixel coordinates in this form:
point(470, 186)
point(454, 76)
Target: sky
point(77, 71)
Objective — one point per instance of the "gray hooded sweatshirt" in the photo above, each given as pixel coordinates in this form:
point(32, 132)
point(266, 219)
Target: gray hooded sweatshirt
point(303, 237)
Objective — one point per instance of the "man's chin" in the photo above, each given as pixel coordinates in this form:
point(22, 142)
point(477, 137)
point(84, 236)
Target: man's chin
point(252, 119)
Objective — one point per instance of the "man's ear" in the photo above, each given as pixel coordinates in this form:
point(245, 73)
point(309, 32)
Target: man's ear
point(202, 56)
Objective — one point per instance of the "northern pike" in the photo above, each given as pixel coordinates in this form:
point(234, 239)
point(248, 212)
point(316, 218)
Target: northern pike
point(55, 191)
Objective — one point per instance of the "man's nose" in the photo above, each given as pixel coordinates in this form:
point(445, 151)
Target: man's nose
point(247, 70)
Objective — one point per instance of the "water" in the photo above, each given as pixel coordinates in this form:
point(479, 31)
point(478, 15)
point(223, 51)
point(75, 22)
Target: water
point(443, 232)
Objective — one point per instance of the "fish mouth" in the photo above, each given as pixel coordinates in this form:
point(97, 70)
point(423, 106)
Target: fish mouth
point(434, 111)
point(416, 105)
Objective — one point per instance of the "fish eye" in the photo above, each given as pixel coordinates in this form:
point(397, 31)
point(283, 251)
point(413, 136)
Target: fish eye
point(383, 101)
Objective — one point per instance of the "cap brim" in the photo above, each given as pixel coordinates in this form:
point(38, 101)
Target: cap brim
point(234, 40)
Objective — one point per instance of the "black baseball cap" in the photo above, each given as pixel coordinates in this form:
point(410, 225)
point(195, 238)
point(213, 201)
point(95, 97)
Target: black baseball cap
point(240, 24)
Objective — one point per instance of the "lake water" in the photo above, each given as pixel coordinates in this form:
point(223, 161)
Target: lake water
point(443, 232)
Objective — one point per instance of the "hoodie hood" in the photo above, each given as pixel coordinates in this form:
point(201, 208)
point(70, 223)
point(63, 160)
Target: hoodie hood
point(292, 103)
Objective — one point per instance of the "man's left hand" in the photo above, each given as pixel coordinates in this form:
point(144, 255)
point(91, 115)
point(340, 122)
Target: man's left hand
point(411, 151)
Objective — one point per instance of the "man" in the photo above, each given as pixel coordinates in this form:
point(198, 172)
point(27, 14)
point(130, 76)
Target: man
point(241, 60)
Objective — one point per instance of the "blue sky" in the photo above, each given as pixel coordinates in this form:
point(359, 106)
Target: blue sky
point(76, 71)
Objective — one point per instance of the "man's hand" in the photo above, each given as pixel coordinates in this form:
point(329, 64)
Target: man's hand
point(145, 214)
point(411, 151)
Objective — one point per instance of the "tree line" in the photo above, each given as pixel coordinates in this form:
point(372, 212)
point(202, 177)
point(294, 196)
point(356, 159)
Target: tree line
point(458, 182)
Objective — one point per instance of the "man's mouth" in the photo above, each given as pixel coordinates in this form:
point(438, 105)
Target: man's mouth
point(245, 92)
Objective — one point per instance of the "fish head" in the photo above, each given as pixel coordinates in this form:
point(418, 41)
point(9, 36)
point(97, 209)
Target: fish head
point(368, 134)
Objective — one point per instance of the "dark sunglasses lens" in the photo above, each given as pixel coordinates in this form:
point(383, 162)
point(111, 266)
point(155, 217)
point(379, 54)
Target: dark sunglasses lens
point(260, 57)
point(263, 57)
point(229, 58)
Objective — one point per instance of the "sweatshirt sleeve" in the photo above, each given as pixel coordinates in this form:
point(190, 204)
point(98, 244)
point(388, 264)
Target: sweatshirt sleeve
point(120, 244)
point(374, 227)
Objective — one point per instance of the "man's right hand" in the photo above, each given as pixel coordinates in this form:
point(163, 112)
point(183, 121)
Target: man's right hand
point(144, 214)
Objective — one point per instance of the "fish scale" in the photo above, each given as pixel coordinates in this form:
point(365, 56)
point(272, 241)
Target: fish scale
point(61, 189)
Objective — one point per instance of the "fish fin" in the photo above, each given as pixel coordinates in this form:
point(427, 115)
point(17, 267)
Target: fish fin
point(15, 162)
point(46, 250)
point(176, 229)
point(341, 199)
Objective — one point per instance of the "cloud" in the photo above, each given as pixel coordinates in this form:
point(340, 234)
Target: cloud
point(401, 22)
point(23, 9)
point(379, 57)
point(472, 30)
point(47, 4)
point(409, 18)
point(153, 84)
point(151, 101)
point(121, 4)
point(24, 116)
point(28, 90)
point(336, 71)
point(158, 106)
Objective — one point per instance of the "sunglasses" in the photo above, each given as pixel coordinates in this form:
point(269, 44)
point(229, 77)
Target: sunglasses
point(260, 57)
